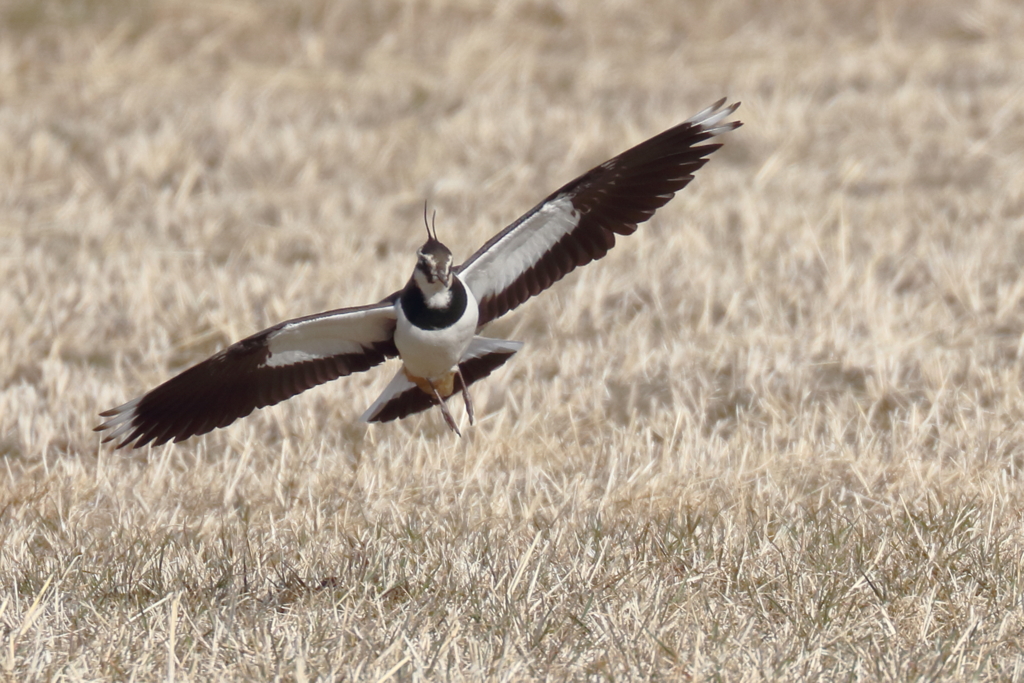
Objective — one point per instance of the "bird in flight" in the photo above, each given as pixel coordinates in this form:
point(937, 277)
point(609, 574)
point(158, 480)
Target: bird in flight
point(432, 323)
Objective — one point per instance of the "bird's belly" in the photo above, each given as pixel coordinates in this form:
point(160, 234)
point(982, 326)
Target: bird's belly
point(433, 354)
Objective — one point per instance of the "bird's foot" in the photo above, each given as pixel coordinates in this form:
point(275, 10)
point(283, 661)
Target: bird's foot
point(465, 396)
point(449, 420)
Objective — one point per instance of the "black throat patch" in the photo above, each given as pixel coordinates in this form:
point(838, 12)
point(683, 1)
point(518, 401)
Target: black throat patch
point(422, 316)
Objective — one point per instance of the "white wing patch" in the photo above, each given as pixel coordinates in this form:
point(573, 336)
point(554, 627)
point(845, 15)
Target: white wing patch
point(481, 346)
point(349, 332)
point(521, 248)
point(708, 118)
point(399, 384)
point(122, 419)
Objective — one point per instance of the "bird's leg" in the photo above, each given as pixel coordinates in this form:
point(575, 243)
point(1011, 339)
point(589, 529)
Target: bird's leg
point(465, 395)
point(449, 420)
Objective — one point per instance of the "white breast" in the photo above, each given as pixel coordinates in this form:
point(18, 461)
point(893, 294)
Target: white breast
point(434, 353)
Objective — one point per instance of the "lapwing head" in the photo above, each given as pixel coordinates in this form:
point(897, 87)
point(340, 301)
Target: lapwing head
point(433, 260)
point(434, 264)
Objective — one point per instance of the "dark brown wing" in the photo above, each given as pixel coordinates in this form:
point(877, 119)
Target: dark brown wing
point(264, 369)
point(578, 223)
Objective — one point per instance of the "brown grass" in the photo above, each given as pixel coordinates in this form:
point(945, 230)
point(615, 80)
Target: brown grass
point(776, 435)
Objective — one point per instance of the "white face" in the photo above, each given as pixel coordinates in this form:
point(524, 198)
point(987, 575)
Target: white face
point(434, 264)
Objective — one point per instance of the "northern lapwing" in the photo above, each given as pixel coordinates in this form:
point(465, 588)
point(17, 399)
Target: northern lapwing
point(432, 323)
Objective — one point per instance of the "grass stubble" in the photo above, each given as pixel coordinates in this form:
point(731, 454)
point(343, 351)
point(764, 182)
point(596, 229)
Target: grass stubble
point(776, 434)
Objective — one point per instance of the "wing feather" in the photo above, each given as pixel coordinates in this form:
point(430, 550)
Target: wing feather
point(261, 370)
point(577, 223)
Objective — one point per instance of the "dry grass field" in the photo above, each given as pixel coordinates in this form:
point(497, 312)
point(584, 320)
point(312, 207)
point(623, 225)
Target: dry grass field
point(778, 434)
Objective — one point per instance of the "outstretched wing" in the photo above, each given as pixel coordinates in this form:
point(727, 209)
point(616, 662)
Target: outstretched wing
point(578, 223)
point(259, 371)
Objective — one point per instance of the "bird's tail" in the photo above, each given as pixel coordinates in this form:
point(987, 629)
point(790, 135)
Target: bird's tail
point(402, 398)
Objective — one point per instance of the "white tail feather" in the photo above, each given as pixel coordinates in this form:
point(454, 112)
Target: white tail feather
point(399, 384)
